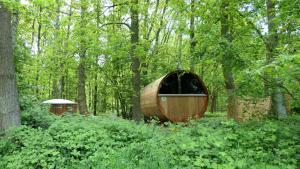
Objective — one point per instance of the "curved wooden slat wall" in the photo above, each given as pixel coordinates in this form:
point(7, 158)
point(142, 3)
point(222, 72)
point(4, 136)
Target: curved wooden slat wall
point(173, 107)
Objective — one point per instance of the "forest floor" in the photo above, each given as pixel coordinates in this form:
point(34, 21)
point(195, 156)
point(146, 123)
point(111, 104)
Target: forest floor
point(48, 141)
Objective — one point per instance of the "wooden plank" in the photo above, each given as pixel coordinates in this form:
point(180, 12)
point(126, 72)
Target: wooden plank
point(149, 101)
point(181, 109)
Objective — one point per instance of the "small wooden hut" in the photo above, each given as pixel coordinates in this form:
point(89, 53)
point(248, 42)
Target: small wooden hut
point(60, 106)
point(177, 96)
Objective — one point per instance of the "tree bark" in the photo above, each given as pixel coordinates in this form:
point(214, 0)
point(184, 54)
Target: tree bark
point(95, 99)
point(61, 81)
point(64, 79)
point(58, 82)
point(32, 34)
point(157, 33)
point(81, 98)
point(14, 28)
point(179, 50)
point(39, 30)
point(227, 61)
point(192, 37)
point(134, 28)
point(55, 90)
point(9, 104)
point(277, 96)
point(213, 103)
point(95, 96)
point(39, 36)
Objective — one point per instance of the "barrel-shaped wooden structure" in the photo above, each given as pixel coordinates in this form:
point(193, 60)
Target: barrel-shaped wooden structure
point(178, 96)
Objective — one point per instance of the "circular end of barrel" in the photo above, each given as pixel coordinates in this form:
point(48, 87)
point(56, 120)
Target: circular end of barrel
point(181, 96)
point(178, 96)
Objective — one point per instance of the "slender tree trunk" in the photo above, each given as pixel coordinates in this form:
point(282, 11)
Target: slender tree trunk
point(81, 98)
point(90, 95)
point(104, 99)
point(179, 51)
point(39, 30)
point(39, 36)
point(146, 37)
point(9, 104)
point(134, 28)
point(213, 102)
point(227, 61)
point(62, 83)
point(95, 94)
point(192, 37)
point(117, 104)
point(55, 93)
point(277, 96)
point(179, 90)
point(157, 34)
point(81, 85)
point(64, 79)
point(58, 81)
point(32, 33)
point(49, 86)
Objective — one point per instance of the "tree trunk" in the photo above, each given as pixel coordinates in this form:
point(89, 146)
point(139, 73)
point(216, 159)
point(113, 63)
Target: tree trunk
point(9, 104)
point(32, 34)
point(213, 102)
point(277, 96)
point(95, 96)
point(134, 28)
point(227, 61)
point(179, 51)
point(39, 36)
point(81, 98)
point(64, 78)
point(192, 37)
point(62, 83)
point(161, 22)
point(95, 99)
point(55, 93)
point(58, 82)
point(39, 30)
point(15, 23)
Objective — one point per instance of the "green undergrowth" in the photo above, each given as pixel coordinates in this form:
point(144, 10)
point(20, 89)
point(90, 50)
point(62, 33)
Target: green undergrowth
point(46, 141)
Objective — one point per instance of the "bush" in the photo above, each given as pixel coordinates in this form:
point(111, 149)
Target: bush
point(38, 117)
point(97, 142)
point(34, 114)
point(27, 102)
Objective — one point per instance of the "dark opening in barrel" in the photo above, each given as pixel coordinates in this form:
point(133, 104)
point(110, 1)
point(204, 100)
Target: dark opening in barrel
point(177, 96)
point(181, 83)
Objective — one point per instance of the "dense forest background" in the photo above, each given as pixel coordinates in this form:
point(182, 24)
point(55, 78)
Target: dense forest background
point(100, 53)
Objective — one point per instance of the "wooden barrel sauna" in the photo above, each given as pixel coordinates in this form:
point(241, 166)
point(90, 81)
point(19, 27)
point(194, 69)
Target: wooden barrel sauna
point(177, 96)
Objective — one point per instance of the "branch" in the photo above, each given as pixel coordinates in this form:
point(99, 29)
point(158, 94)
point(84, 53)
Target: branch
point(116, 23)
point(257, 30)
point(282, 86)
point(114, 5)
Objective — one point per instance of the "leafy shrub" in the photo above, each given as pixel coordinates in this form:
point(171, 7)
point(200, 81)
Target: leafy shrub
point(97, 142)
point(28, 101)
point(37, 116)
